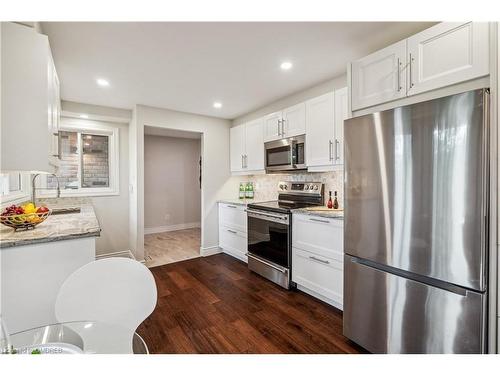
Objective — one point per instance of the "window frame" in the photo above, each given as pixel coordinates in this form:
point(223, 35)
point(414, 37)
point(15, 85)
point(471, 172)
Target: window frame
point(97, 128)
point(21, 195)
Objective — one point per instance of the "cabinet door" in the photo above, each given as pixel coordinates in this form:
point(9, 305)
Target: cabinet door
point(294, 120)
point(254, 139)
point(272, 127)
point(320, 125)
point(341, 114)
point(379, 77)
point(448, 53)
point(237, 147)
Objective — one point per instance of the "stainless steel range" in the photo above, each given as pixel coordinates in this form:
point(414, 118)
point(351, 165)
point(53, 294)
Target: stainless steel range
point(270, 229)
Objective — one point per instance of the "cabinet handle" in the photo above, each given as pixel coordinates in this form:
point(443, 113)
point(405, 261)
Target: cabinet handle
point(279, 129)
point(411, 70)
point(399, 74)
point(319, 220)
point(283, 127)
point(319, 260)
point(330, 147)
point(242, 163)
point(337, 143)
point(231, 231)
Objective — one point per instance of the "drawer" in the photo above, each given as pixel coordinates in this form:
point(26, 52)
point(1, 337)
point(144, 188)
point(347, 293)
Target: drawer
point(320, 235)
point(233, 216)
point(320, 274)
point(233, 242)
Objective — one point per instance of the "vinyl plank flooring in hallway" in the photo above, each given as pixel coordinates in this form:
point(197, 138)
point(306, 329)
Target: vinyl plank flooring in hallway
point(216, 305)
point(169, 247)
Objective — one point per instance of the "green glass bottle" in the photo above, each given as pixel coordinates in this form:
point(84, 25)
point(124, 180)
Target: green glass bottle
point(242, 190)
point(250, 192)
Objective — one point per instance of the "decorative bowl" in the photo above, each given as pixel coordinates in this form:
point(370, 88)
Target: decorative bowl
point(24, 221)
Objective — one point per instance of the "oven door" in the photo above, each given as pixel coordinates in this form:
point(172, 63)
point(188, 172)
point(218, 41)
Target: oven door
point(285, 154)
point(269, 244)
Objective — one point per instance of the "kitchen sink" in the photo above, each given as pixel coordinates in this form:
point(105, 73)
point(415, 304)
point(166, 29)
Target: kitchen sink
point(66, 210)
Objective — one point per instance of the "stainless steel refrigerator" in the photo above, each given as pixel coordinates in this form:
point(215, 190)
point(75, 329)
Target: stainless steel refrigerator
point(416, 227)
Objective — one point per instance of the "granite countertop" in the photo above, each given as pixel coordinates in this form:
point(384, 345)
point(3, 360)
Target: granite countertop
point(56, 228)
point(333, 214)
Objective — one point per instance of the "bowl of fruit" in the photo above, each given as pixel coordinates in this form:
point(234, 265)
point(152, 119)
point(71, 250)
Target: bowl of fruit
point(24, 217)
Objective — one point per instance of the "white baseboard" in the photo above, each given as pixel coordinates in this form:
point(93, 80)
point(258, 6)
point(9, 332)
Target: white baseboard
point(116, 254)
point(171, 228)
point(212, 250)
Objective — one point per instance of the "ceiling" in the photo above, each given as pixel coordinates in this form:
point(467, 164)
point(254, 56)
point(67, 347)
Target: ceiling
point(188, 66)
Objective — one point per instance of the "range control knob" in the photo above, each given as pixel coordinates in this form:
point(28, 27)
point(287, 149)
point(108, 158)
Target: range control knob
point(306, 187)
point(315, 187)
point(281, 186)
point(285, 187)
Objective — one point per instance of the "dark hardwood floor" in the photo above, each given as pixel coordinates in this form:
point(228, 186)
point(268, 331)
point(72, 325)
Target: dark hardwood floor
point(216, 305)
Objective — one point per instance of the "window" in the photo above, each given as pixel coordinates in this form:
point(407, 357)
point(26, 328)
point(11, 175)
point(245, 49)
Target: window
point(13, 187)
point(88, 162)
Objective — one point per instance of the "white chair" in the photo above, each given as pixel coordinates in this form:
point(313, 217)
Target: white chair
point(118, 291)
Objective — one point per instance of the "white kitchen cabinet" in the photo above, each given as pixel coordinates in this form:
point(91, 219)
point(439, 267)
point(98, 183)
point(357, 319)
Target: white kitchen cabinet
point(31, 276)
point(294, 120)
point(233, 230)
point(447, 53)
point(54, 111)
point(379, 77)
point(318, 257)
point(24, 98)
point(254, 145)
point(289, 122)
point(272, 126)
point(320, 130)
point(247, 147)
point(237, 147)
point(341, 114)
point(325, 117)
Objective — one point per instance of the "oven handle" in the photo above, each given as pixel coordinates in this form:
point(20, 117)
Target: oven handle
point(258, 259)
point(259, 214)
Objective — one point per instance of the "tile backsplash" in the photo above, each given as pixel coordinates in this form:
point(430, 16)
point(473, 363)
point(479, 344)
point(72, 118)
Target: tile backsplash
point(266, 186)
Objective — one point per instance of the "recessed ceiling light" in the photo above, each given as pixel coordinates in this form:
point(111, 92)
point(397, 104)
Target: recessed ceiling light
point(84, 116)
point(102, 82)
point(217, 105)
point(286, 65)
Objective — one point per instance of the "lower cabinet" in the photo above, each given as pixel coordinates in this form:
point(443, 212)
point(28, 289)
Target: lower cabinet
point(233, 230)
point(317, 257)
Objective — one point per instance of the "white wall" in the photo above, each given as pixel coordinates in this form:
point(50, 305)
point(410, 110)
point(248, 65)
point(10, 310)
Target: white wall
point(215, 154)
point(112, 211)
point(298, 97)
point(172, 195)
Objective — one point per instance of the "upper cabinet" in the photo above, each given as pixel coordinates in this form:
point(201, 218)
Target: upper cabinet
point(443, 55)
point(289, 122)
point(447, 53)
point(379, 78)
point(247, 147)
point(54, 112)
point(24, 99)
point(325, 117)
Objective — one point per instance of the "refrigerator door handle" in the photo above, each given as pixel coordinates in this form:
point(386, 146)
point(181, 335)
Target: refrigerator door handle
point(412, 276)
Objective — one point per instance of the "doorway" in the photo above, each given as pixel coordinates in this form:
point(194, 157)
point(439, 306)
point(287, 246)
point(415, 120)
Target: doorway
point(172, 195)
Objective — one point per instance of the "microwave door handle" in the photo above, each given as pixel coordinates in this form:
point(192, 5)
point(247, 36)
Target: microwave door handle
point(292, 154)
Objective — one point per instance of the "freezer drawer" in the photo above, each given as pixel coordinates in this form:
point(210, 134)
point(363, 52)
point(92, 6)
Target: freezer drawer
point(386, 313)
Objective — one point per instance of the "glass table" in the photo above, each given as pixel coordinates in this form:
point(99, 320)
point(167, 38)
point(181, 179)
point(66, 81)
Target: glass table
point(79, 338)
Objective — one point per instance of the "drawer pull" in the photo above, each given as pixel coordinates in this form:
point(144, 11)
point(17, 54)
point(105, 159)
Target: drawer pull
point(230, 206)
point(319, 260)
point(319, 220)
point(232, 231)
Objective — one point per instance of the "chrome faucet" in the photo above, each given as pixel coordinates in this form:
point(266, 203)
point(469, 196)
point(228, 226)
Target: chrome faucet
point(33, 187)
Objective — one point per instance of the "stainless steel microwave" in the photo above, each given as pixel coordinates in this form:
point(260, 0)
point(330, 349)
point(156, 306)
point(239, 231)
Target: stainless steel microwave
point(285, 154)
